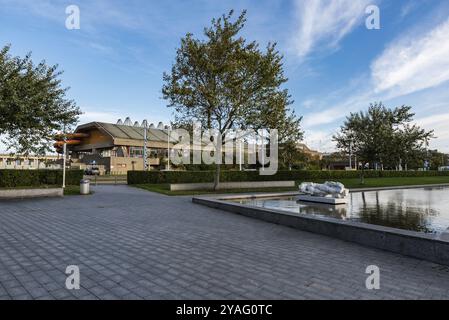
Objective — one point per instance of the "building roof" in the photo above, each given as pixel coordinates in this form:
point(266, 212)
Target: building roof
point(117, 131)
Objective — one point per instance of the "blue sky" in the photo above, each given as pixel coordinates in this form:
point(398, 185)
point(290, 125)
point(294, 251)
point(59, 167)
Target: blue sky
point(335, 65)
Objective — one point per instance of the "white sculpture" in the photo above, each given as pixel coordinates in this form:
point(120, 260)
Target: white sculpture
point(329, 189)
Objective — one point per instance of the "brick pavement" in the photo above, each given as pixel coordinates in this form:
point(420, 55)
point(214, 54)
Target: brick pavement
point(133, 244)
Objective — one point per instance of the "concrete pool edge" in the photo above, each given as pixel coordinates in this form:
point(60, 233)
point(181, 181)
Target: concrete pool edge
point(420, 186)
point(409, 243)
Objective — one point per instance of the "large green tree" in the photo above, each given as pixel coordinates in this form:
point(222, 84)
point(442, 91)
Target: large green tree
point(225, 82)
point(33, 104)
point(383, 137)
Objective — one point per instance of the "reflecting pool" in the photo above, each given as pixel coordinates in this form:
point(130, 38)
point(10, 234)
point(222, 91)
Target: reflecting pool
point(423, 210)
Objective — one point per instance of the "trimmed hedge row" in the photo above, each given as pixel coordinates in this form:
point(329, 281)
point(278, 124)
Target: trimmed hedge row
point(36, 178)
point(164, 177)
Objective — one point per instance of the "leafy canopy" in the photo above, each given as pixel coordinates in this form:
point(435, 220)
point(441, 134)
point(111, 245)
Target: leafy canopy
point(384, 136)
point(224, 82)
point(32, 103)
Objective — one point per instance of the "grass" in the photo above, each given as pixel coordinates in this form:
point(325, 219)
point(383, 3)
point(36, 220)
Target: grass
point(165, 189)
point(393, 182)
point(349, 183)
point(73, 191)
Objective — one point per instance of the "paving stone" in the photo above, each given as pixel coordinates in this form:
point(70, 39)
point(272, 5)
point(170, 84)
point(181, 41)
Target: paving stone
point(133, 244)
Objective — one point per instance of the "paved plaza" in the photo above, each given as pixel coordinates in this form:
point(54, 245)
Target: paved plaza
point(134, 244)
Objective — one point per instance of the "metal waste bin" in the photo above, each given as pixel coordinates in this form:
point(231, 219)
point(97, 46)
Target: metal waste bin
point(85, 186)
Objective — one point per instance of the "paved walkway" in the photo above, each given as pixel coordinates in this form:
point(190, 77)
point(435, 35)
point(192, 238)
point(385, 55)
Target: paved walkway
point(132, 244)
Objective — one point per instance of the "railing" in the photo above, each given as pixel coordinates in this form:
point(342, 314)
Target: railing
point(109, 180)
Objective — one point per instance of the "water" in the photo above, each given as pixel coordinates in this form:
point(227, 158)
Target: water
point(423, 210)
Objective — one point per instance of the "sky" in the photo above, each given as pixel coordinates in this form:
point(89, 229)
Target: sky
point(114, 63)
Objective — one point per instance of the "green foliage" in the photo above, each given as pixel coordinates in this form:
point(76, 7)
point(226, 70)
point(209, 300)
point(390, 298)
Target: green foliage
point(36, 178)
point(32, 103)
point(224, 82)
point(166, 177)
point(383, 136)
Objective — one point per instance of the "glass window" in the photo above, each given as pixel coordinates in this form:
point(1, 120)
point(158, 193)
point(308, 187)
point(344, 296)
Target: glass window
point(136, 152)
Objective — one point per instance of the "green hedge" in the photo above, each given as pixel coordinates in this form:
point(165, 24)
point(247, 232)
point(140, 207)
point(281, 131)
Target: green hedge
point(36, 178)
point(164, 177)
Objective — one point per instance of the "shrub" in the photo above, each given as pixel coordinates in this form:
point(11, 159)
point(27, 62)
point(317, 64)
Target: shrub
point(36, 178)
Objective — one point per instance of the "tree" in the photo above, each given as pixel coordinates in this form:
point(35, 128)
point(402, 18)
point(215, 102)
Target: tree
point(437, 159)
point(32, 103)
point(382, 137)
point(291, 156)
point(225, 83)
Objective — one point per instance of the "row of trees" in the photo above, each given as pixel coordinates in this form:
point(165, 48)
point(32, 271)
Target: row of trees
point(384, 138)
point(221, 81)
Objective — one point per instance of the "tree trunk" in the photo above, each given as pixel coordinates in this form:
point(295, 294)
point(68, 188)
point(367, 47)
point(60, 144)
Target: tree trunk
point(362, 174)
point(217, 178)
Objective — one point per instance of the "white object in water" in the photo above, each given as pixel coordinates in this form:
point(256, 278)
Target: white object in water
point(329, 192)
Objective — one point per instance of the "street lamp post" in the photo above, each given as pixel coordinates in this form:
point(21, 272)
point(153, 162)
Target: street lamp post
point(168, 148)
point(350, 155)
point(64, 158)
point(145, 140)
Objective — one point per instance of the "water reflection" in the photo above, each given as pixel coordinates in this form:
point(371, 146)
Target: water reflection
point(424, 210)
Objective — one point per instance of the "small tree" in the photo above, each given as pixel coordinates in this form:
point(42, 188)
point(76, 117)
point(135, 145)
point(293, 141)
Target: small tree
point(32, 103)
point(382, 136)
point(225, 83)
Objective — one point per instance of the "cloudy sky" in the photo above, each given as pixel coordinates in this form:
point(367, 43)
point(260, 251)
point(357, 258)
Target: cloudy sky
point(335, 65)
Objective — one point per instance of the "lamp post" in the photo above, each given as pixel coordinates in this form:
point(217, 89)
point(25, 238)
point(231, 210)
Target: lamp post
point(145, 139)
point(64, 158)
point(350, 154)
point(240, 154)
point(168, 148)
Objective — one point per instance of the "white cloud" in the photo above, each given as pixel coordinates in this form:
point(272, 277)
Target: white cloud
point(113, 114)
point(406, 66)
point(100, 116)
point(320, 140)
point(324, 23)
point(438, 123)
point(412, 64)
point(408, 8)
point(322, 117)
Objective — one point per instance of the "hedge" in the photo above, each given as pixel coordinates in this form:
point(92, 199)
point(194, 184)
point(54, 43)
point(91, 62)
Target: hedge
point(36, 178)
point(165, 177)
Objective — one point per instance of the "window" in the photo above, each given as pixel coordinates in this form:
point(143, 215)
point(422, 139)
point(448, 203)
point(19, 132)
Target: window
point(106, 153)
point(136, 152)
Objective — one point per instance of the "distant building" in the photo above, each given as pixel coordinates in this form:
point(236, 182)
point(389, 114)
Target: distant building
point(8, 161)
point(310, 154)
point(117, 148)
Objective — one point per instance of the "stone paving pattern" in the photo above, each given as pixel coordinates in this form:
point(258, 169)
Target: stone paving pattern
point(134, 244)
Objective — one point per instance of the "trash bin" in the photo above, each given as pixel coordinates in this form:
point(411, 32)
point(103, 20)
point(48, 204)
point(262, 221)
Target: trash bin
point(85, 186)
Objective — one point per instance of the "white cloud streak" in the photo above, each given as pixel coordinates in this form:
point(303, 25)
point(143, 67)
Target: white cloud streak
point(413, 64)
point(322, 24)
